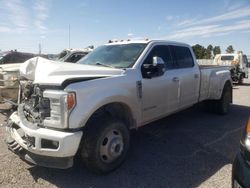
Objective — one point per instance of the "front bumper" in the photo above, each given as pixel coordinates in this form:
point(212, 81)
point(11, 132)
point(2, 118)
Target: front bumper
point(31, 139)
point(240, 172)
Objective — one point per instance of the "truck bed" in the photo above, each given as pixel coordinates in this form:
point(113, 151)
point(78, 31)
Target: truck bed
point(211, 80)
point(212, 66)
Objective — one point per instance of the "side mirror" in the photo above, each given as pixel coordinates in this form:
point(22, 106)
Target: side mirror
point(157, 68)
point(158, 61)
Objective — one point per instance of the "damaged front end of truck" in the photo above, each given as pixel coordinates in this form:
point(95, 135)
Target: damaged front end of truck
point(38, 130)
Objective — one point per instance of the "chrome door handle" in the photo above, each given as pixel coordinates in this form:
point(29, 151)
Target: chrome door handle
point(196, 76)
point(175, 79)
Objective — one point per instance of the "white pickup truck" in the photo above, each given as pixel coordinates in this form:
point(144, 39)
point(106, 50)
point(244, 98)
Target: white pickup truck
point(89, 107)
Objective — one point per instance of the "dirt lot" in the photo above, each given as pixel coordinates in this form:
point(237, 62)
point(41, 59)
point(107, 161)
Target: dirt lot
point(190, 149)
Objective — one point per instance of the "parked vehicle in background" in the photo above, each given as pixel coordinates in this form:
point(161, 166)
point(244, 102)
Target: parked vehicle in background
point(10, 72)
point(73, 55)
point(241, 165)
point(248, 59)
point(11, 57)
point(238, 63)
point(89, 107)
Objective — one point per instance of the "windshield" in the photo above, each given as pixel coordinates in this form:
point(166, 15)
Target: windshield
point(1, 57)
point(227, 58)
point(115, 55)
point(62, 54)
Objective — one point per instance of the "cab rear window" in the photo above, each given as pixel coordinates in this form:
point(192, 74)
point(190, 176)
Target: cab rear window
point(227, 58)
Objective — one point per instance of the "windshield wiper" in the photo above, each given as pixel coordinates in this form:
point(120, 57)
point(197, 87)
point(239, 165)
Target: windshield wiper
point(105, 65)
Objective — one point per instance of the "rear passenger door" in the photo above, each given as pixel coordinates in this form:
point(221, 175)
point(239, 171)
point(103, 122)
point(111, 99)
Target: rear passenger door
point(188, 75)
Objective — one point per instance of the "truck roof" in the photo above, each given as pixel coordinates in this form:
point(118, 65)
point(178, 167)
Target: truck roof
point(3, 53)
point(78, 50)
point(146, 41)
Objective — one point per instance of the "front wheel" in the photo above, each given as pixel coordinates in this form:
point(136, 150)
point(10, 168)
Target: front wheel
point(105, 144)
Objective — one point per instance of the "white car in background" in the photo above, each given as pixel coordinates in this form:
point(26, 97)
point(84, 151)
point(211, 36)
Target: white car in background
point(8, 82)
point(9, 71)
point(73, 55)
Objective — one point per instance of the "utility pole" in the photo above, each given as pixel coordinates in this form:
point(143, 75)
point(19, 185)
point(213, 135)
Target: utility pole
point(69, 35)
point(40, 48)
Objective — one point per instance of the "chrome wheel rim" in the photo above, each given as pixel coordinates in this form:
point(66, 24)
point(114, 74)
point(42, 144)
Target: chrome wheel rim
point(111, 146)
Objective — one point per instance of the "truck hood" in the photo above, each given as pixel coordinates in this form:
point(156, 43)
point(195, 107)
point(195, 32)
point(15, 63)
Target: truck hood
point(47, 72)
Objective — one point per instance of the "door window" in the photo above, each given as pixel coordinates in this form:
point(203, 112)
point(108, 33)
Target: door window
point(183, 57)
point(162, 52)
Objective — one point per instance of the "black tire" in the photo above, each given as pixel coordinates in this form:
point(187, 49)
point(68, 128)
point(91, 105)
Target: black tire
point(240, 81)
point(223, 104)
point(96, 135)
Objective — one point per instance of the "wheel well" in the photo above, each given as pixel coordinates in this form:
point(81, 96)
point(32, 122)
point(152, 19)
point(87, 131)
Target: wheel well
point(116, 110)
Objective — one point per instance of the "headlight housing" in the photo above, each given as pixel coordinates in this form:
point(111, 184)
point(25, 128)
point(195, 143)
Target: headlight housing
point(61, 105)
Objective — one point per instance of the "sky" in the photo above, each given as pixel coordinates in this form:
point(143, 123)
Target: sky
point(26, 23)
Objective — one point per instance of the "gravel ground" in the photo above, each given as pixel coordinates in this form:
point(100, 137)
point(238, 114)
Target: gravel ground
point(189, 149)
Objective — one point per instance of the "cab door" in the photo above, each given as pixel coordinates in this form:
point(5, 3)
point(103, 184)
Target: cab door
point(160, 94)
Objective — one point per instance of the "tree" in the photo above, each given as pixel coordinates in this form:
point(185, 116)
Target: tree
point(230, 49)
point(210, 47)
point(206, 53)
point(209, 52)
point(216, 50)
point(199, 51)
